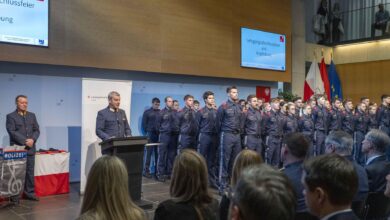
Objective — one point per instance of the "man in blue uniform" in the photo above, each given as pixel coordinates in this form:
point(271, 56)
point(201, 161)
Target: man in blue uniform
point(208, 137)
point(321, 124)
point(274, 132)
point(252, 126)
point(306, 127)
point(361, 127)
point(335, 116)
point(348, 120)
point(23, 130)
point(229, 117)
point(166, 151)
point(149, 125)
point(383, 115)
point(112, 121)
point(187, 124)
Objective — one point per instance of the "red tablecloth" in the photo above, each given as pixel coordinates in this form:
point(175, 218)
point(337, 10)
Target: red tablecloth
point(51, 173)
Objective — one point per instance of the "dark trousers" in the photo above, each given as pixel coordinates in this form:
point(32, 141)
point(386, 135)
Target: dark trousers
point(207, 147)
point(358, 154)
point(149, 151)
point(381, 27)
point(186, 141)
point(29, 187)
point(230, 147)
point(274, 144)
point(253, 142)
point(320, 137)
point(162, 161)
point(172, 152)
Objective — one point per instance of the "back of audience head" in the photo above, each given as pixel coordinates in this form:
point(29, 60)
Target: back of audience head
point(330, 183)
point(189, 179)
point(339, 142)
point(104, 201)
point(294, 148)
point(244, 159)
point(375, 142)
point(262, 193)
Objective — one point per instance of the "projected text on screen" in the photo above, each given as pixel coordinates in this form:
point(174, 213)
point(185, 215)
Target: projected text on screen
point(263, 50)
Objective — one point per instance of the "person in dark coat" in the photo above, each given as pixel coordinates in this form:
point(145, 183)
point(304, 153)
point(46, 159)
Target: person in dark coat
point(23, 130)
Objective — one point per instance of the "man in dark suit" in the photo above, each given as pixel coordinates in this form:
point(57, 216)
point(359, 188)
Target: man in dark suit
point(23, 130)
point(341, 143)
point(330, 183)
point(377, 167)
point(112, 121)
point(293, 153)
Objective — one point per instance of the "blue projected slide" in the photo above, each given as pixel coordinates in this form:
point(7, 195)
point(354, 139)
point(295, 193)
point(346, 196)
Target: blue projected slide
point(263, 50)
point(24, 22)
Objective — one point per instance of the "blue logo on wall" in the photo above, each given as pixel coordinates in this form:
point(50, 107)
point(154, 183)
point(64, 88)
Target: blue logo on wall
point(41, 42)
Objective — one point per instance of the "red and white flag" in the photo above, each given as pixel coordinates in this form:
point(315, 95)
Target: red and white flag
point(313, 82)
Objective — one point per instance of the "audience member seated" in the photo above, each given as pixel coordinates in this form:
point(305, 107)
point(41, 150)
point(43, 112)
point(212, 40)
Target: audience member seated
point(381, 19)
point(189, 191)
point(107, 193)
point(294, 151)
point(244, 159)
point(262, 193)
point(377, 167)
point(330, 183)
point(341, 143)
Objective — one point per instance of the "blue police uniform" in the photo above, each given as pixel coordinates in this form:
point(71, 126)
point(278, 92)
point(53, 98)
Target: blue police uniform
point(208, 140)
point(229, 117)
point(150, 127)
point(252, 130)
point(335, 120)
point(290, 124)
point(321, 124)
point(361, 128)
point(348, 122)
point(306, 127)
point(274, 131)
point(383, 118)
point(21, 127)
point(373, 123)
point(111, 123)
point(188, 128)
point(165, 123)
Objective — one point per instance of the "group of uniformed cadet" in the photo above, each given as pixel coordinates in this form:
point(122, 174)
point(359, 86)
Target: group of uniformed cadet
point(219, 134)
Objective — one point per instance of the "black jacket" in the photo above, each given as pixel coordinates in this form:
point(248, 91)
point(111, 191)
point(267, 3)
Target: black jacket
point(376, 173)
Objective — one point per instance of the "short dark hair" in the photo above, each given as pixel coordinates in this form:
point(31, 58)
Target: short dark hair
point(166, 98)
point(175, 101)
point(384, 96)
point(230, 88)
point(335, 174)
point(250, 97)
point(336, 99)
point(155, 99)
point(207, 94)
point(188, 96)
point(297, 98)
point(241, 100)
point(266, 192)
point(275, 100)
point(20, 96)
point(297, 144)
point(346, 101)
point(363, 98)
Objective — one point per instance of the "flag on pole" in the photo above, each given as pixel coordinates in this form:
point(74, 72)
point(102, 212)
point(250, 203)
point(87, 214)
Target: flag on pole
point(313, 82)
point(325, 80)
point(334, 81)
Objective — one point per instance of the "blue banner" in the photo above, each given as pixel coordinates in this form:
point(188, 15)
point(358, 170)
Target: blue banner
point(334, 81)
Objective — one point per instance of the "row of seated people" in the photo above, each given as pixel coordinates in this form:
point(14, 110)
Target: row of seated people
point(325, 185)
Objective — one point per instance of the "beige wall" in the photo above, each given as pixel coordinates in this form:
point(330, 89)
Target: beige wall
point(188, 37)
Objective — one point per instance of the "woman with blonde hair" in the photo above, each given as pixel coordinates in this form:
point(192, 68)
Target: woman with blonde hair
point(246, 158)
point(189, 191)
point(106, 193)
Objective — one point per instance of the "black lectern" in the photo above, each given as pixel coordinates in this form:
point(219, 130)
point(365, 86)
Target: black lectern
point(131, 151)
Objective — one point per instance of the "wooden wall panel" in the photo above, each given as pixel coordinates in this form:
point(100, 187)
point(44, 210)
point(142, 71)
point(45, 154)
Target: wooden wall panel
point(170, 36)
point(365, 79)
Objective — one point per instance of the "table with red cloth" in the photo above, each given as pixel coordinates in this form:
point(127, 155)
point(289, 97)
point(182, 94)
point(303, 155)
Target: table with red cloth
point(51, 173)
